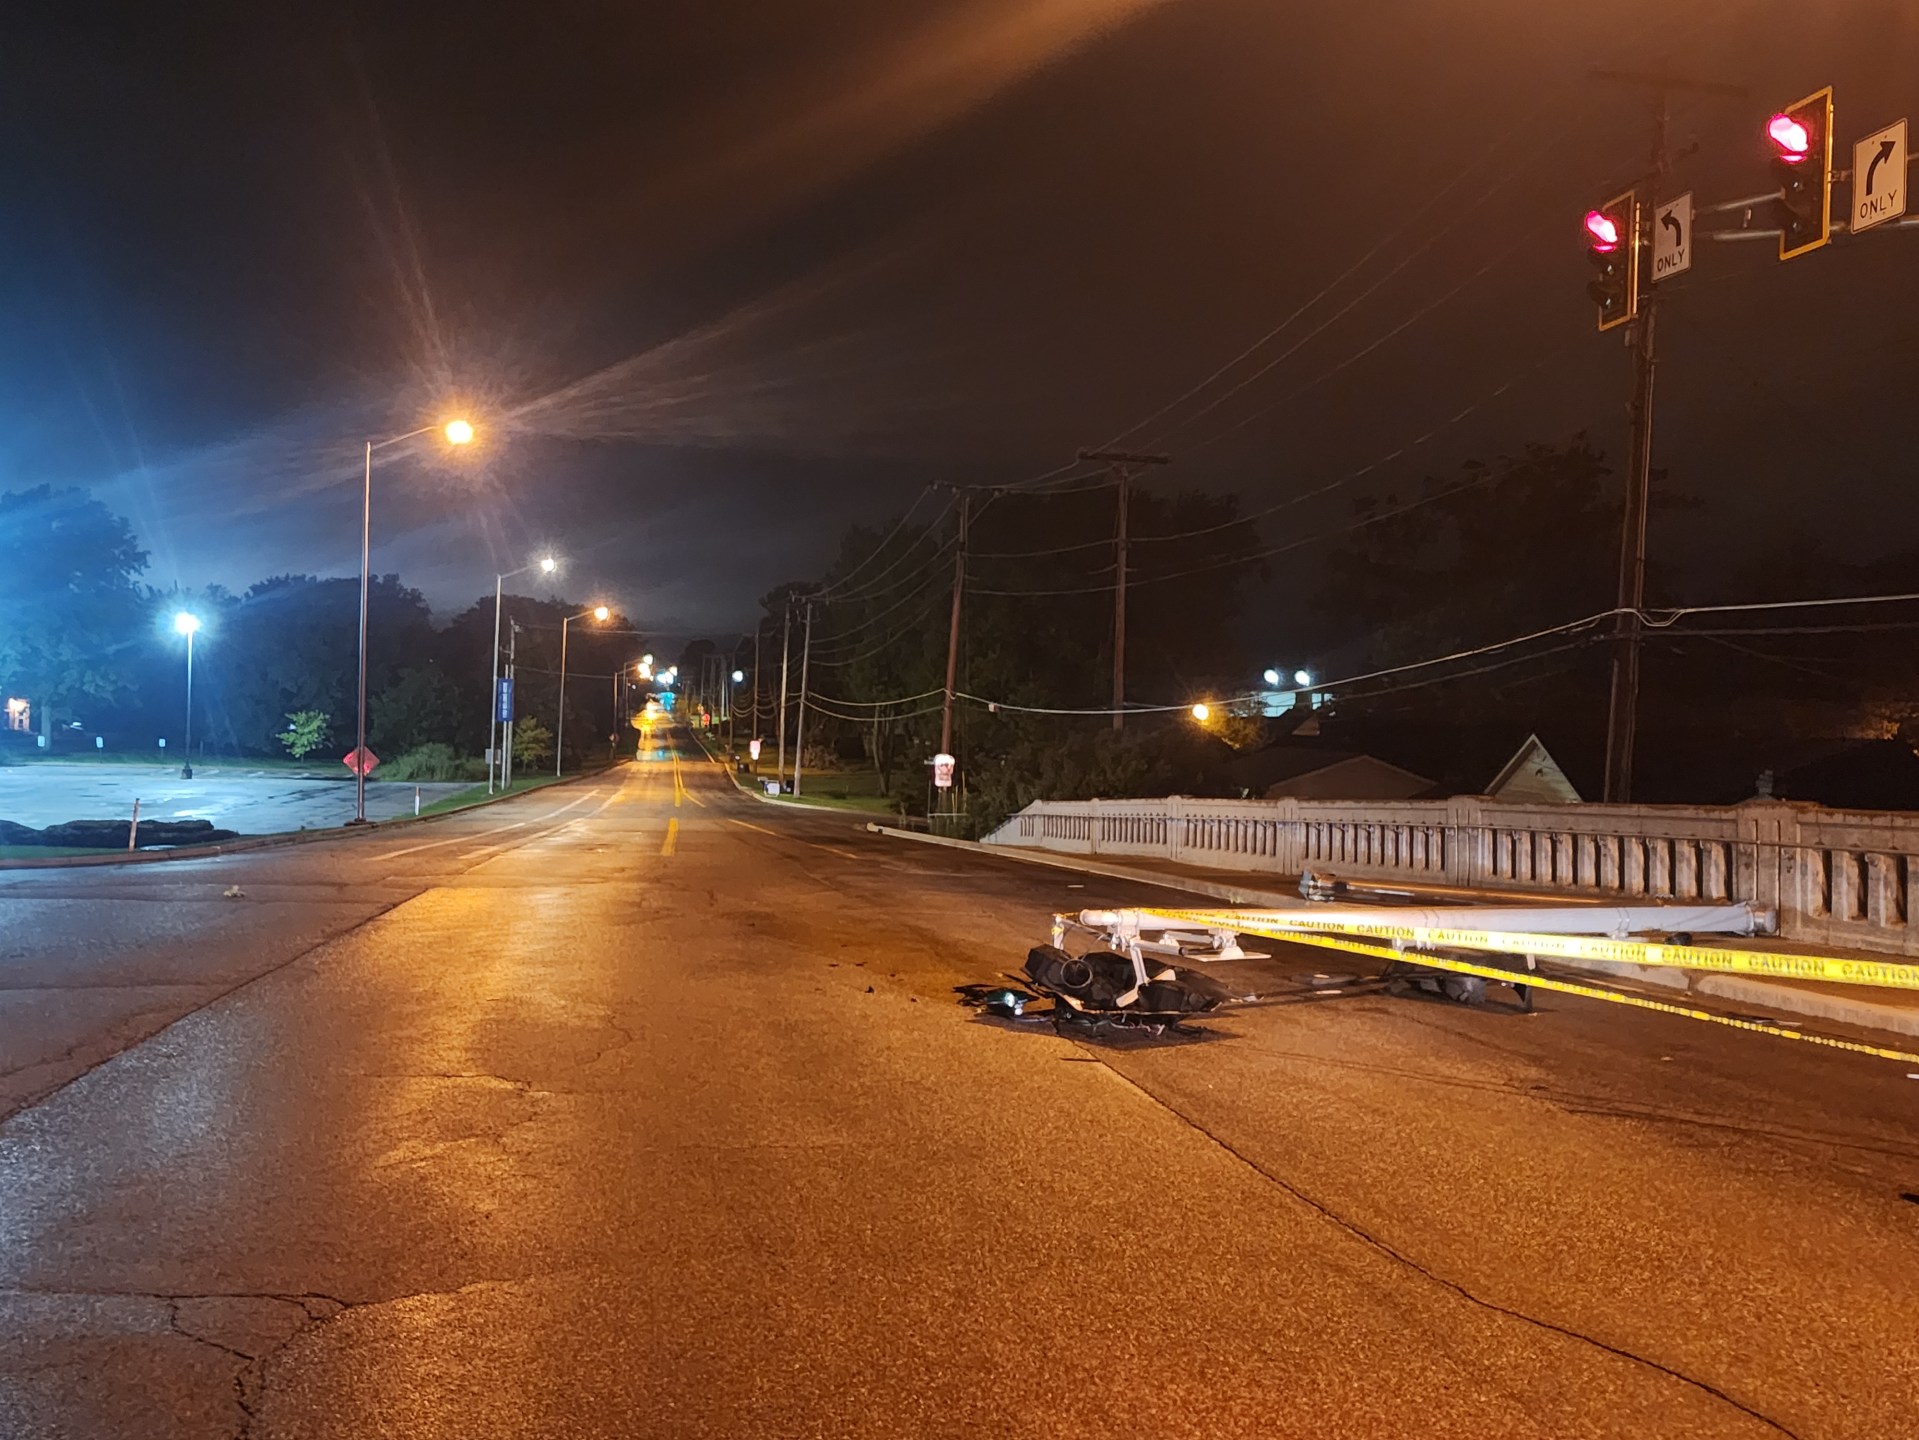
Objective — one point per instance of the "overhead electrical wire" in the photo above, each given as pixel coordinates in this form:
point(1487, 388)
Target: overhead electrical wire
point(879, 549)
point(1570, 627)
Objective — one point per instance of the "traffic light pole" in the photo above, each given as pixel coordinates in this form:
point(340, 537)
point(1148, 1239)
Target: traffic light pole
point(1622, 714)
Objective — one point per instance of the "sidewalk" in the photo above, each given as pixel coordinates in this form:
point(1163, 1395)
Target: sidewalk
point(1868, 1007)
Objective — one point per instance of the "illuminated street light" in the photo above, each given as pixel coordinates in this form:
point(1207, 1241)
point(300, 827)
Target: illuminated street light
point(499, 733)
point(1202, 713)
point(189, 626)
point(1302, 677)
point(458, 432)
point(598, 612)
point(738, 676)
point(1272, 677)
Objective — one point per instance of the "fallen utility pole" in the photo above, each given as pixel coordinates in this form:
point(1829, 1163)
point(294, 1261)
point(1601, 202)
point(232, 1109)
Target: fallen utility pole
point(1119, 460)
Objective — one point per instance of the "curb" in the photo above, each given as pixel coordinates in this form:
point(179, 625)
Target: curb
point(763, 798)
point(1740, 989)
point(282, 840)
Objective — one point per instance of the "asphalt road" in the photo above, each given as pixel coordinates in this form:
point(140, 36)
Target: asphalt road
point(641, 1108)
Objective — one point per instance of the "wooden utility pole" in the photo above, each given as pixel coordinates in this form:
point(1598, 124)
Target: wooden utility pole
point(1622, 711)
point(953, 629)
point(1120, 460)
point(786, 636)
point(799, 737)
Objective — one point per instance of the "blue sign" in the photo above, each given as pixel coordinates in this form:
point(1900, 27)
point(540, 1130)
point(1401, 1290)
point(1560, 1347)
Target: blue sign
point(503, 704)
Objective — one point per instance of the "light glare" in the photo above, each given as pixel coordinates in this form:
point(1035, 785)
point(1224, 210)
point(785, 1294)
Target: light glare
point(1272, 677)
point(549, 565)
point(1202, 713)
point(1600, 226)
point(1302, 677)
point(458, 432)
point(186, 624)
point(600, 612)
point(1790, 136)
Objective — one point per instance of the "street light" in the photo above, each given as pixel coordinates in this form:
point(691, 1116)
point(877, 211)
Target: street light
point(1303, 678)
point(598, 612)
point(189, 626)
point(498, 729)
point(1202, 713)
point(458, 432)
point(1272, 677)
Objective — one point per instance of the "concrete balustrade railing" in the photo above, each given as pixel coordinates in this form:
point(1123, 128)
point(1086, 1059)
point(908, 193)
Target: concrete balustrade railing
point(1836, 877)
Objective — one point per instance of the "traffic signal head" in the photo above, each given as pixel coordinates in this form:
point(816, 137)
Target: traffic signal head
point(1612, 245)
point(1801, 140)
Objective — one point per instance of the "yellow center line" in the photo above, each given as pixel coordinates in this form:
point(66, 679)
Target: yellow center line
point(672, 840)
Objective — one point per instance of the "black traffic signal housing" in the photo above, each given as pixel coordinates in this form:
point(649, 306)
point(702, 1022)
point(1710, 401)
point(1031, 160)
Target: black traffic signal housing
point(1612, 245)
point(1801, 139)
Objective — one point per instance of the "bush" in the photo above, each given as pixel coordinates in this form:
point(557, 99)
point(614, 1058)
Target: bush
point(433, 762)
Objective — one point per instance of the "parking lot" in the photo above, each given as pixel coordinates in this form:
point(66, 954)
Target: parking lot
point(253, 802)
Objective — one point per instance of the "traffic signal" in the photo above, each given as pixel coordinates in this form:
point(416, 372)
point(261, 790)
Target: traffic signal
point(1612, 244)
point(1801, 137)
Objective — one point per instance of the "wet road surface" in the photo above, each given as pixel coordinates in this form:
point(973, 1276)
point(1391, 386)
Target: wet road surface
point(641, 1108)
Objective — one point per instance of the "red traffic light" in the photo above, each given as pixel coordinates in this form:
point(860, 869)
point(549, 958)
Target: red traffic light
point(1792, 138)
point(1603, 229)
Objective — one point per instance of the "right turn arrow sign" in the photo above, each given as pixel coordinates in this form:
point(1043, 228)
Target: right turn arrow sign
point(1879, 178)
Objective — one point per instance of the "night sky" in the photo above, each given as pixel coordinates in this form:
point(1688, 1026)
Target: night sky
point(718, 277)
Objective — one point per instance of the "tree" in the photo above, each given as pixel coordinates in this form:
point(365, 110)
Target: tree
point(68, 590)
point(421, 706)
point(532, 741)
point(292, 643)
point(306, 732)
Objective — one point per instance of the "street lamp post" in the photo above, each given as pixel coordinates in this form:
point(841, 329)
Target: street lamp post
point(499, 729)
point(598, 612)
point(458, 432)
point(188, 625)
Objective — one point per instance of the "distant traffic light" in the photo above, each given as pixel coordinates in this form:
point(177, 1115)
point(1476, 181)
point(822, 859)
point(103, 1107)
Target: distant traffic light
point(1612, 244)
point(1801, 137)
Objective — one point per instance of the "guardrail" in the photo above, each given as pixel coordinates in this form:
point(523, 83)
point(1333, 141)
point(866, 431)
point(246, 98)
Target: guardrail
point(1835, 877)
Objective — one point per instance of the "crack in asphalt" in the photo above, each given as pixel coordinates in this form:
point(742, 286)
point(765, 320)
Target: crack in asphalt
point(249, 1379)
point(1399, 1257)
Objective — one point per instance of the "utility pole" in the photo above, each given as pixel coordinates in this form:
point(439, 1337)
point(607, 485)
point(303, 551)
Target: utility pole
point(953, 631)
point(786, 636)
point(1622, 712)
point(1122, 479)
point(759, 628)
point(799, 738)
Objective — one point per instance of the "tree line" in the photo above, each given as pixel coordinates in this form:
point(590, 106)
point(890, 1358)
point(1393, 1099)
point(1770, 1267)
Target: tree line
point(91, 644)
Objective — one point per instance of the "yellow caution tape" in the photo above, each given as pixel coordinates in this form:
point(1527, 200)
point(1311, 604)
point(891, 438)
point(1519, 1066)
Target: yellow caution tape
point(1592, 992)
point(1779, 965)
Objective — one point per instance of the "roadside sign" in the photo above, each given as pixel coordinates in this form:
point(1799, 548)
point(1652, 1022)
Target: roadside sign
point(1879, 178)
point(943, 770)
point(360, 760)
point(503, 702)
point(1672, 238)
